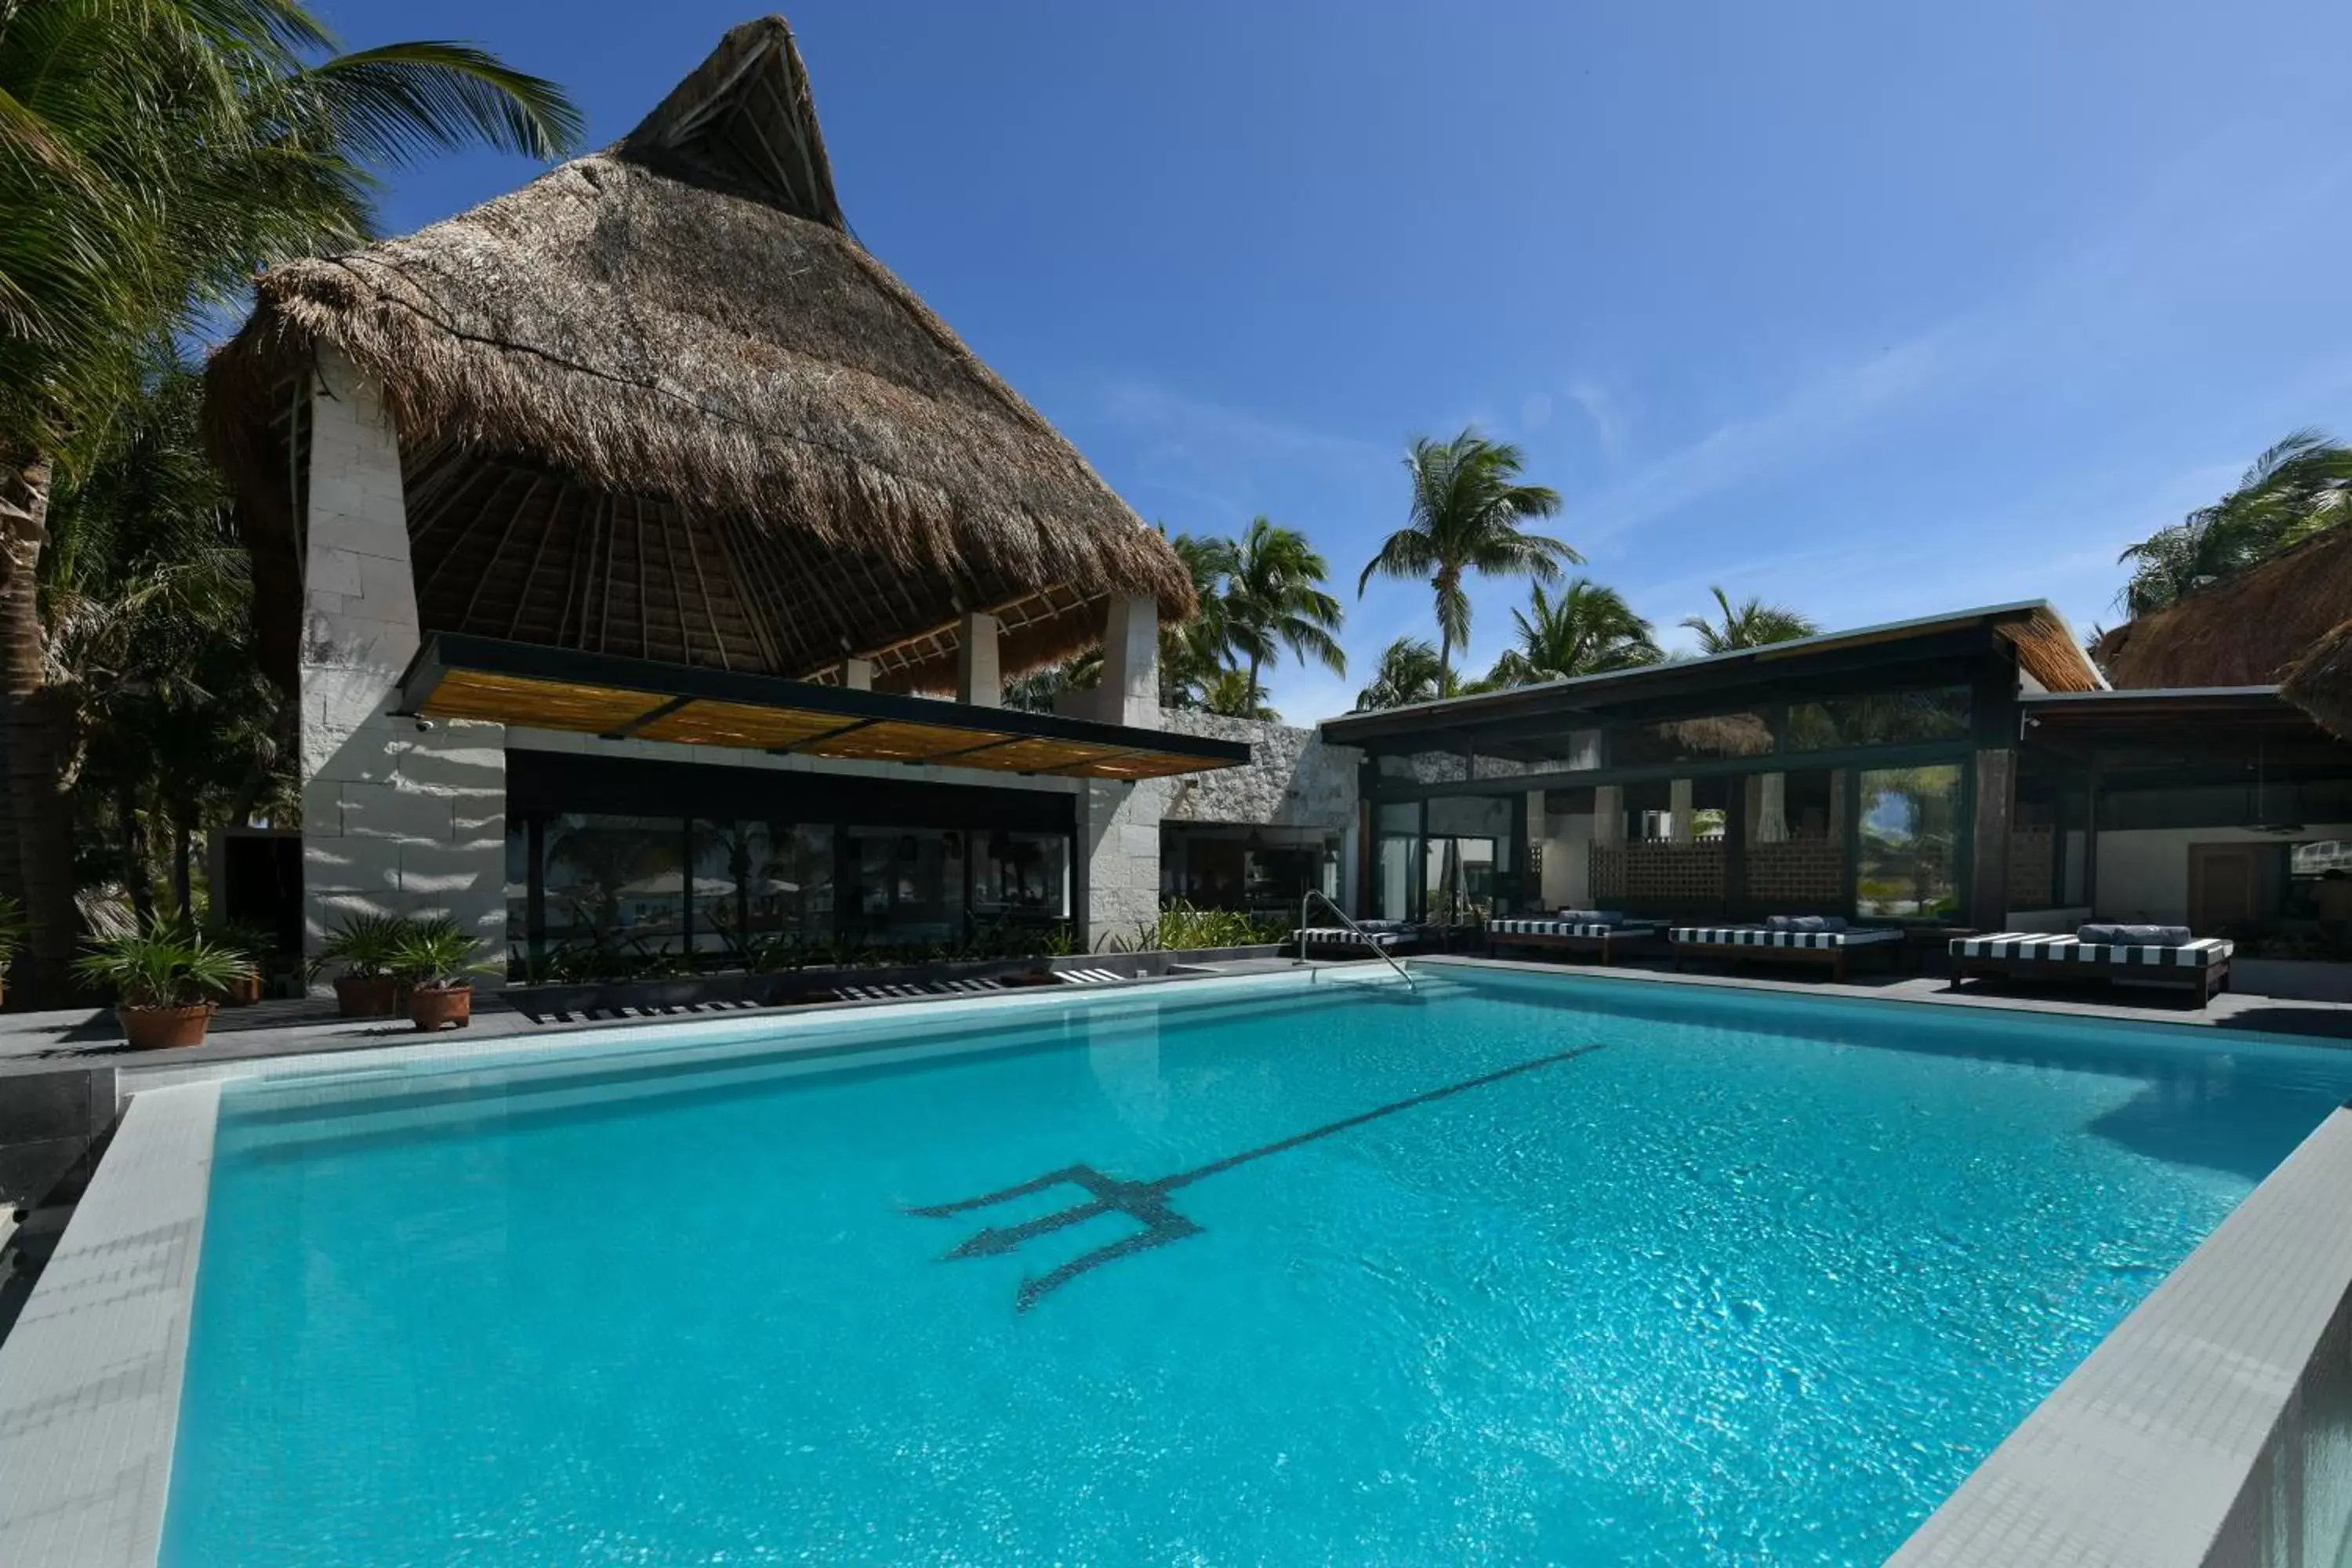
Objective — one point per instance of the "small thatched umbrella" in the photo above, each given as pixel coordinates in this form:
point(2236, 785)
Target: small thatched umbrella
point(660, 401)
point(2248, 631)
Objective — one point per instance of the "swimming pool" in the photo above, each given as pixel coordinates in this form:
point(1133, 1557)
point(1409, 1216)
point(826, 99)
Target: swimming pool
point(1502, 1269)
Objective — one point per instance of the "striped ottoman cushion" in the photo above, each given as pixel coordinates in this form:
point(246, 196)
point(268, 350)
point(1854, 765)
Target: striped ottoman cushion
point(1561, 928)
point(1341, 934)
point(2044, 948)
point(1757, 936)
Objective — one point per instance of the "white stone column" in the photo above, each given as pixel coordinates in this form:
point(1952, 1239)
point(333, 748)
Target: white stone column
point(978, 681)
point(1609, 815)
point(1678, 811)
point(1118, 860)
point(1768, 809)
point(398, 817)
point(1130, 678)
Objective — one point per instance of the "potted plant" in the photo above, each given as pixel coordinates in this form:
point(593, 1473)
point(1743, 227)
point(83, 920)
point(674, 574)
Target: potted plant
point(436, 960)
point(12, 938)
point(253, 941)
point(363, 946)
point(163, 974)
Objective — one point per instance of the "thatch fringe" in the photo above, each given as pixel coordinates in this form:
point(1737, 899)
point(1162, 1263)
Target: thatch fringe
point(2320, 683)
point(649, 320)
point(2248, 631)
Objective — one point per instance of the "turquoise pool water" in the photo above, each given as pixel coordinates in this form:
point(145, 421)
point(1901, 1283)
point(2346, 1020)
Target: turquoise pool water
point(1513, 1270)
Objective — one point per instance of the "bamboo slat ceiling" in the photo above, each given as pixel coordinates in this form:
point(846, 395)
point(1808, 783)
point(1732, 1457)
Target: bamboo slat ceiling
point(504, 682)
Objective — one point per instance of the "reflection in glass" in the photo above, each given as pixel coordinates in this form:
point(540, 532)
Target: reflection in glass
point(616, 881)
point(1910, 843)
point(1880, 719)
point(1021, 878)
point(1717, 735)
point(910, 886)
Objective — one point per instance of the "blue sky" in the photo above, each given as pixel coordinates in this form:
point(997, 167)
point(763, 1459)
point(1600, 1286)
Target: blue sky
point(1874, 310)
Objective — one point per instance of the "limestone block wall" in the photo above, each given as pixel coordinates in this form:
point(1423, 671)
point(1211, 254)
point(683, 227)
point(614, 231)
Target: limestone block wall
point(1294, 778)
point(395, 819)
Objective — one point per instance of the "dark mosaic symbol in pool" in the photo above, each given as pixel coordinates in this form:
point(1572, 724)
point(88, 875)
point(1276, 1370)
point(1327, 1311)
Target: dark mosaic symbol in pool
point(1145, 1203)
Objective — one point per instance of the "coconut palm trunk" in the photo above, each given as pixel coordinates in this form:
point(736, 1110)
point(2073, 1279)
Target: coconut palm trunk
point(36, 841)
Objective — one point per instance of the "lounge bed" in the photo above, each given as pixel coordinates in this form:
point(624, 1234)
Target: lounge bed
point(1599, 932)
point(1821, 942)
point(2098, 952)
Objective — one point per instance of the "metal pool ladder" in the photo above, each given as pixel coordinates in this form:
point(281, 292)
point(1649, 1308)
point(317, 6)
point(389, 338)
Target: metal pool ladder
point(1349, 921)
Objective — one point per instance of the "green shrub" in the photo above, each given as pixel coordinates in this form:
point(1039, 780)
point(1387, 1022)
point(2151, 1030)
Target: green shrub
point(165, 962)
point(436, 953)
point(14, 929)
point(363, 944)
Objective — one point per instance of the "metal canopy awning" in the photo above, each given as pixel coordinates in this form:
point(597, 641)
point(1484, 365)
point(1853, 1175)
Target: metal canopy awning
point(458, 677)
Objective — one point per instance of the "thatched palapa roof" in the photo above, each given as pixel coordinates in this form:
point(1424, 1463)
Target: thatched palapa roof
point(2250, 630)
point(660, 401)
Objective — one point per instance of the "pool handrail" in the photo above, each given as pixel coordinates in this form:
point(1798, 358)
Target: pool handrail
point(1349, 922)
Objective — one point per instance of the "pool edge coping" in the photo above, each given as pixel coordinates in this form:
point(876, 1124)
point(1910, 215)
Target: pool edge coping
point(91, 1377)
point(2160, 1449)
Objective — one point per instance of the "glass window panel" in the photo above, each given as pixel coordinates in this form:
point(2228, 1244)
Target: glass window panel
point(910, 886)
point(1571, 750)
point(1483, 816)
point(1400, 817)
point(1717, 735)
point(1459, 879)
point(1908, 866)
point(1423, 767)
point(1393, 877)
point(1880, 719)
point(1021, 878)
point(787, 875)
point(616, 883)
point(518, 887)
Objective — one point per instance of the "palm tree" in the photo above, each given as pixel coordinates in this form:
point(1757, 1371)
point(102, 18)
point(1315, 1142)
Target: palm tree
point(1588, 630)
point(1468, 512)
point(2301, 485)
point(1233, 694)
point(153, 156)
point(1409, 672)
point(1194, 653)
point(1752, 624)
point(1274, 600)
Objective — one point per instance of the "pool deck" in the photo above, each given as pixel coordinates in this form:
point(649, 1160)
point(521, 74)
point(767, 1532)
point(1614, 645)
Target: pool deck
point(34, 1043)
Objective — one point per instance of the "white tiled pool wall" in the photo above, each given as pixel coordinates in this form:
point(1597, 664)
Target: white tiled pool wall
point(2212, 1429)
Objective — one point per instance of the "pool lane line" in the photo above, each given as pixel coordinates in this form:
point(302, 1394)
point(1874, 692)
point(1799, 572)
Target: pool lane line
point(1147, 1203)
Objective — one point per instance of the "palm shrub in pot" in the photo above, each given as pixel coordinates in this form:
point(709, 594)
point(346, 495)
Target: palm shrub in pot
point(13, 931)
point(257, 943)
point(437, 960)
point(361, 946)
point(164, 974)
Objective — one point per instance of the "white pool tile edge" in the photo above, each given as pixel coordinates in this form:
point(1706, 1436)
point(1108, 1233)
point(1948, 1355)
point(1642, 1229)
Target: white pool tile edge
point(89, 1378)
point(779, 1029)
point(2208, 1430)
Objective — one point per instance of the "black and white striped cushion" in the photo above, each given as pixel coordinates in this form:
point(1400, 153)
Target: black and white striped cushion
point(2202, 953)
point(1757, 936)
point(1500, 927)
point(1341, 934)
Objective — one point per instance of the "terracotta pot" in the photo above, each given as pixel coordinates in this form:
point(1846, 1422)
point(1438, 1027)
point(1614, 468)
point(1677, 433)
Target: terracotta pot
point(434, 1007)
point(367, 997)
point(161, 1028)
point(242, 992)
